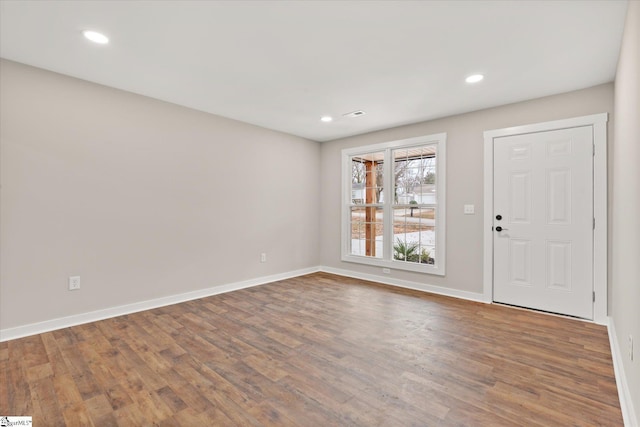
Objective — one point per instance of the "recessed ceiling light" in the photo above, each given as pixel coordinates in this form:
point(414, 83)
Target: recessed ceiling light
point(474, 78)
point(326, 119)
point(96, 37)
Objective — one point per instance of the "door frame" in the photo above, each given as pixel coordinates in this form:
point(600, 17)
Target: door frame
point(598, 122)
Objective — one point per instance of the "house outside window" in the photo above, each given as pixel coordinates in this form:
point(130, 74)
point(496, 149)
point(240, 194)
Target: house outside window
point(393, 204)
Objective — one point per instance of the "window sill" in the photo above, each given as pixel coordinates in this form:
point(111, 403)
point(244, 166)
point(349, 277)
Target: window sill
point(396, 265)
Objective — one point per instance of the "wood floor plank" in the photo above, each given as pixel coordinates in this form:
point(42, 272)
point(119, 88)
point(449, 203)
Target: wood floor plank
point(46, 408)
point(100, 410)
point(19, 398)
point(76, 415)
point(171, 399)
point(5, 389)
point(317, 350)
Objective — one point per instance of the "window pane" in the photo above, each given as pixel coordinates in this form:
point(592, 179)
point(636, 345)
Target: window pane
point(367, 231)
point(414, 234)
point(367, 178)
point(415, 175)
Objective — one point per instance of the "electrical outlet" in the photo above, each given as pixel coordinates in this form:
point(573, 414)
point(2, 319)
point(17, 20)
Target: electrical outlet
point(469, 209)
point(630, 347)
point(74, 283)
point(386, 270)
point(263, 257)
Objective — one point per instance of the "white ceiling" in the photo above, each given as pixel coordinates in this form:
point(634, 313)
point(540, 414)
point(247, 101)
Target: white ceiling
point(284, 64)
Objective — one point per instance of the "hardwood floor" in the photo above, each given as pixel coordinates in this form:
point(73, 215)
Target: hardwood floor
point(318, 350)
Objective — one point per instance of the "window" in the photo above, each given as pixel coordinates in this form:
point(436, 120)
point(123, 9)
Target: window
point(393, 204)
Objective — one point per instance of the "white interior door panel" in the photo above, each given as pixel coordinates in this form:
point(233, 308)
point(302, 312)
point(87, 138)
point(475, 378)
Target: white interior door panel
point(543, 221)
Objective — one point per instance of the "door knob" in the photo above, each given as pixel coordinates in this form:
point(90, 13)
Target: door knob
point(498, 228)
point(498, 217)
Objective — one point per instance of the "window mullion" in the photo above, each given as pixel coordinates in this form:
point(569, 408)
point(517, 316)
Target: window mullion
point(388, 205)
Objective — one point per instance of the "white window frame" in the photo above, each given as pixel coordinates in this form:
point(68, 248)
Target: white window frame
point(387, 261)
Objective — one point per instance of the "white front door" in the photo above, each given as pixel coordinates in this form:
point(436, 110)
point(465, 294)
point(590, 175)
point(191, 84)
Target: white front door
point(543, 221)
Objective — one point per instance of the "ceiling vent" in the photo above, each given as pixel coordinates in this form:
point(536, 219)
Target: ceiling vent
point(354, 114)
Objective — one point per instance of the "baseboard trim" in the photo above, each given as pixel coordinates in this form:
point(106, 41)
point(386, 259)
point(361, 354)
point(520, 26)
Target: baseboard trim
point(93, 316)
point(424, 287)
point(626, 404)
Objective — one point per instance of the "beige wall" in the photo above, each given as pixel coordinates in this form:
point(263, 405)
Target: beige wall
point(464, 179)
point(141, 198)
point(145, 199)
point(625, 247)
